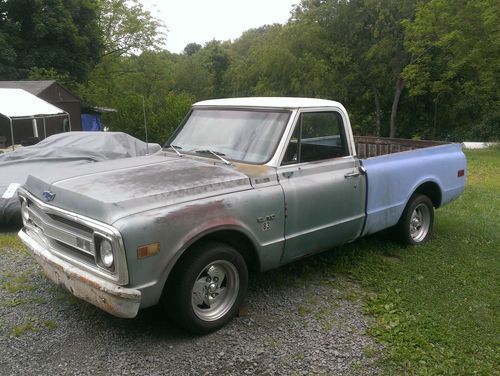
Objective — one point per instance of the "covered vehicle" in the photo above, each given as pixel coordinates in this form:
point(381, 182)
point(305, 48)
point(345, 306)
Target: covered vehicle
point(64, 149)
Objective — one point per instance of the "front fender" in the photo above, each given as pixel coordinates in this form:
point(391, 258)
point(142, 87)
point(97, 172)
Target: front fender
point(177, 227)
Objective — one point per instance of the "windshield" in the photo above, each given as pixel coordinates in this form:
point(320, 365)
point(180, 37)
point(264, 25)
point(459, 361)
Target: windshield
point(249, 136)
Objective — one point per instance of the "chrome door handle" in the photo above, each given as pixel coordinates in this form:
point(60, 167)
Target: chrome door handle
point(351, 175)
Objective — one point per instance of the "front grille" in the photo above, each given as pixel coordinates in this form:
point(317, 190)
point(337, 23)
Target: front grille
point(63, 234)
point(68, 222)
point(76, 253)
point(73, 237)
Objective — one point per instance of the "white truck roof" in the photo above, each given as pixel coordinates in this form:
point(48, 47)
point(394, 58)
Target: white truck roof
point(270, 102)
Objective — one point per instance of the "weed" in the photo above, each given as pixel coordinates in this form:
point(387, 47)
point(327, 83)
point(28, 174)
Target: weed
point(271, 342)
point(11, 241)
point(327, 325)
point(33, 324)
point(18, 330)
point(49, 324)
point(18, 301)
point(304, 310)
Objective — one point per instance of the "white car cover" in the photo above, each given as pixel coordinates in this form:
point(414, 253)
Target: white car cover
point(64, 149)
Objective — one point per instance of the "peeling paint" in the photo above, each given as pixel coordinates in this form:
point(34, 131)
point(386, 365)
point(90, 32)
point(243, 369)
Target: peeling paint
point(116, 300)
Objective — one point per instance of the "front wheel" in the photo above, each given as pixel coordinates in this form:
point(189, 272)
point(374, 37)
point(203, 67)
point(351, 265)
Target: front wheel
point(207, 287)
point(415, 225)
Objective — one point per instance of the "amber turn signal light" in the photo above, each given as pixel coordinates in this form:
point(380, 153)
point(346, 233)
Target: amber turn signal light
point(148, 250)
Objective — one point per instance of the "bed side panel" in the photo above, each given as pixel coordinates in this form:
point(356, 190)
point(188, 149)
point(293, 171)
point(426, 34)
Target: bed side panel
point(393, 178)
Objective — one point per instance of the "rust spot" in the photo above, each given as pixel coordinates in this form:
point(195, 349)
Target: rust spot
point(193, 213)
point(368, 146)
point(254, 170)
point(87, 281)
point(117, 301)
point(206, 227)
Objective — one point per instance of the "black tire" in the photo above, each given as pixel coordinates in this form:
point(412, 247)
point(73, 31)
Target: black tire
point(416, 222)
point(206, 288)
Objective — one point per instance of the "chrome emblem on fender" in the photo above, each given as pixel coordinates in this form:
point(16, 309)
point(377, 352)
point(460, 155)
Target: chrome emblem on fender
point(48, 196)
point(265, 222)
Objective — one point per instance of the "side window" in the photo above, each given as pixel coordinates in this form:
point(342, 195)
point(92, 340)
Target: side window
point(317, 136)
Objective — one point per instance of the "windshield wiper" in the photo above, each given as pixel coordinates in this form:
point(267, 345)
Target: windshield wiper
point(218, 154)
point(175, 148)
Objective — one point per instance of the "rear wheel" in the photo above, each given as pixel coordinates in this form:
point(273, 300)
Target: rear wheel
point(415, 225)
point(207, 287)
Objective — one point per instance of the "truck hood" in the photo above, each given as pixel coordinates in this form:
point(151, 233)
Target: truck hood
point(107, 191)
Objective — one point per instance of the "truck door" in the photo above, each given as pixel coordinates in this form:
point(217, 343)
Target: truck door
point(323, 188)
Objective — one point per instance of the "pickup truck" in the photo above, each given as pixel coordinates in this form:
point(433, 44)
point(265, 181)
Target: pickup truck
point(243, 185)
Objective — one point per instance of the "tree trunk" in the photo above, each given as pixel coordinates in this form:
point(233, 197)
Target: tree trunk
point(377, 108)
point(400, 84)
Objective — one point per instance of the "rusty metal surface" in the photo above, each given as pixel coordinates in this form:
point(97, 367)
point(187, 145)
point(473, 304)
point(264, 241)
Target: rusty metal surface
point(116, 300)
point(110, 190)
point(369, 146)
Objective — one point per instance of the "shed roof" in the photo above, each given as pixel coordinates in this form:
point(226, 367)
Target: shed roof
point(18, 103)
point(33, 87)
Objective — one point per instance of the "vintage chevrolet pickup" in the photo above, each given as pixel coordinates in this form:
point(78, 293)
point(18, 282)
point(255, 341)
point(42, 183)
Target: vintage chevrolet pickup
point(244, 184)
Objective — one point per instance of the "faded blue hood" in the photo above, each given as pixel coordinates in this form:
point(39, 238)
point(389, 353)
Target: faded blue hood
point(110, 190)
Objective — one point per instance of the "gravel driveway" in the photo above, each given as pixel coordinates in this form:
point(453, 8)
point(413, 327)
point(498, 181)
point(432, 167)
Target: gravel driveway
point(299, 321)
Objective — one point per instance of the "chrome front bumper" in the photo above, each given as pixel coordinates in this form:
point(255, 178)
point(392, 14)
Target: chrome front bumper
point(114, 299)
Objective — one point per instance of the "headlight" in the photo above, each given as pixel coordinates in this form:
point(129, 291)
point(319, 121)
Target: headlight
point(24, 211)
point(106, 253)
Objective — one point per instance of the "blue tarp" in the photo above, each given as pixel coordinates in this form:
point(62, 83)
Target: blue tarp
point(91, 122)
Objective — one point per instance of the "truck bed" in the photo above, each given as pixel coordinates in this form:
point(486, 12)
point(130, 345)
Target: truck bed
point(393, 176)
point(370, 146)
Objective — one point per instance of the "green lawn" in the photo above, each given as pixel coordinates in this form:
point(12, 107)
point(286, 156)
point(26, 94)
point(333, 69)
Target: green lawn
point(437, 306)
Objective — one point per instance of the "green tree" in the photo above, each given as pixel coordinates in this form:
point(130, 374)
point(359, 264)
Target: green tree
point(48, 34)
point(192, 48)
point(65, 79)
point(457, 69)
point(191, 75)
point(163, 115)
point(247, 66)
point(217, 61)
point(132, 65)
point(128, 28)
point(122, 84)
point(8, 38)
point(364, 44)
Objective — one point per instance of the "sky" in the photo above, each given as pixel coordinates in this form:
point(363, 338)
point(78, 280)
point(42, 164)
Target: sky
point(203, 20)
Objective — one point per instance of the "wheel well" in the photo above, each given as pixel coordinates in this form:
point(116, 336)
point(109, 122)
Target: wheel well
point(235, 239)
point(431, 190)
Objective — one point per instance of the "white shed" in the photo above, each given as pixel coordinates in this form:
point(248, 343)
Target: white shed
point(18, 104)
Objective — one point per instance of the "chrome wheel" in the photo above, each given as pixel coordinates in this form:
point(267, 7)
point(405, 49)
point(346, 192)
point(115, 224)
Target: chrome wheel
point(206, 287)
point(420, 222)
point(215, 290)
